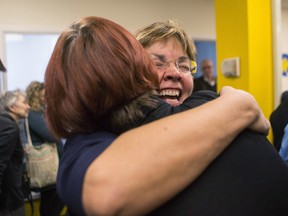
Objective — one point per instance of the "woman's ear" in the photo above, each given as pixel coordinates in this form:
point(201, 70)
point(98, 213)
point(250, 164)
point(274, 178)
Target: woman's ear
point(11, 108)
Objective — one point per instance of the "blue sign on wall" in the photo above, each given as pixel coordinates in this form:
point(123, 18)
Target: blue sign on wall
point(285, 65)
point(205, 49)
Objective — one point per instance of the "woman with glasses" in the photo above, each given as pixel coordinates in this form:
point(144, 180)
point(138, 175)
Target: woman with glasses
point(224, 187)
point(100, 77)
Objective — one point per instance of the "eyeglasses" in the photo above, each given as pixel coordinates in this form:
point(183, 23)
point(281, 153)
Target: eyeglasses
point(184, 65)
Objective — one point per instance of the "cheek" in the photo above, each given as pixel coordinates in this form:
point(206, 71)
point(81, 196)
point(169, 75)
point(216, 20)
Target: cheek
point(23, 111)
point(188, 85)
point(160, 76)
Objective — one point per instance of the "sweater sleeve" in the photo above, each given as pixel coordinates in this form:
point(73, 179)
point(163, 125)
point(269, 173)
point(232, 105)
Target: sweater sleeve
point(164, 109)
point(8, 141)
point(38, 128)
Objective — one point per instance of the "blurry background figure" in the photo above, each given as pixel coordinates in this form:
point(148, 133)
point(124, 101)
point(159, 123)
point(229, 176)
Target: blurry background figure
point(2, 67)
point(284, 145)
point(279, 120)
point(207, 81)
point(50, 203)
point(284, 96)
point(15, 107)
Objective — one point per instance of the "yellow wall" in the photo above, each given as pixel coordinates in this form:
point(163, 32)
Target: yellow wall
point(36, 204)
point(243, 29)
point(28, 210)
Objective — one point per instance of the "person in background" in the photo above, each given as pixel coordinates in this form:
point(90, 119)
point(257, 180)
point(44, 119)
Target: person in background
point(284, 96)
point(50, 203)
point(95, 68)
point(207, 81)
point(279, 120)
point(283, 152)
point(11, 153)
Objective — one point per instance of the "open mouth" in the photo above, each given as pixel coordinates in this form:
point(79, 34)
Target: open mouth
point(170, 95)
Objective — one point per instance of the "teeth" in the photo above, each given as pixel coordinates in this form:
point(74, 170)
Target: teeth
point(167, 92)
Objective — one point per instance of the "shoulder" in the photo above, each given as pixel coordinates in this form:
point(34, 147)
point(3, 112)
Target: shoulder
point(35, 115)
point(281, 109)
point(200, 97)
point(280, 115)
point(86, 147)
point(8, 125)
point(79, 152)
point(204, 94)
point(198, 79)
point(249, 164)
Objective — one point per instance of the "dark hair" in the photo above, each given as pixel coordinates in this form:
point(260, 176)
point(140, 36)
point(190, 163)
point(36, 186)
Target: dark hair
point(284, 96)
point(2, 67)
point(96, 67)
point(33, 95)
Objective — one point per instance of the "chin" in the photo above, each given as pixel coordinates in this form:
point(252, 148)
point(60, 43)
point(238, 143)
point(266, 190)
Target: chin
point(173, 102)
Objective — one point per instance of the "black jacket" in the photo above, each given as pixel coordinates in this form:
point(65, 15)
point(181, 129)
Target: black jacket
point(11, 165)
point(249, 178)
point(279, 120)
point(201, 84)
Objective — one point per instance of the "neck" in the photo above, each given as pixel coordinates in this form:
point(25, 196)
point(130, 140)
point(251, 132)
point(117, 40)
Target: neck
point(15, 117)
point(210, 78)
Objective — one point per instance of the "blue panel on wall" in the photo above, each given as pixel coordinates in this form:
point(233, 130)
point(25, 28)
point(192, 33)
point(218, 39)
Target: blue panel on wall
point(205, 49)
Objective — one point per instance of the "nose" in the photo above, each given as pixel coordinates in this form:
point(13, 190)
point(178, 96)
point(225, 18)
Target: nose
point(172, 73)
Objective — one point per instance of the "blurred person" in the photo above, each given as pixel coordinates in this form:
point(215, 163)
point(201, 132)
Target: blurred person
point(279, 120)
point(50, 203)
point(283, 152)
point(3, 69)
point(96, 68)
point(284, 96)
point(12, 153)
point(207, 81)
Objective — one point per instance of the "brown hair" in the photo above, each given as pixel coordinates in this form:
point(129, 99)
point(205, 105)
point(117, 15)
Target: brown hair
point(33, 91)
point(162, 31)
point(96, 67)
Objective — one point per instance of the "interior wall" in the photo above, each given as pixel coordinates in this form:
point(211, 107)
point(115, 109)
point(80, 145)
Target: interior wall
point(54, 15)
point(284, 26)
point(197, 16)
point(34, 16)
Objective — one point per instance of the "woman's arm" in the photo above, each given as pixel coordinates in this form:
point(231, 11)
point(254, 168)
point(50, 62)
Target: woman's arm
point(148, 165)
point(38, 126)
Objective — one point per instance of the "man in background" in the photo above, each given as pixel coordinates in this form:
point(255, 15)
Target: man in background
point(279, 120)
point(207, 81)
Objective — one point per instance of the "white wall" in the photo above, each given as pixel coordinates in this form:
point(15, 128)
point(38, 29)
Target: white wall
point(52, 16)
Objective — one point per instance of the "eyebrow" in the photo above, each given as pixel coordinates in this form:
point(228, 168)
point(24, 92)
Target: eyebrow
point(160, 57)
point(163, 57)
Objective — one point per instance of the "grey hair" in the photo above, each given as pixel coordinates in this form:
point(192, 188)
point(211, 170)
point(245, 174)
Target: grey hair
point(9, 99)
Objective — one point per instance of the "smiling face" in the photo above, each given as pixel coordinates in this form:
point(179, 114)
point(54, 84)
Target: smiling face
point(175, 86)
